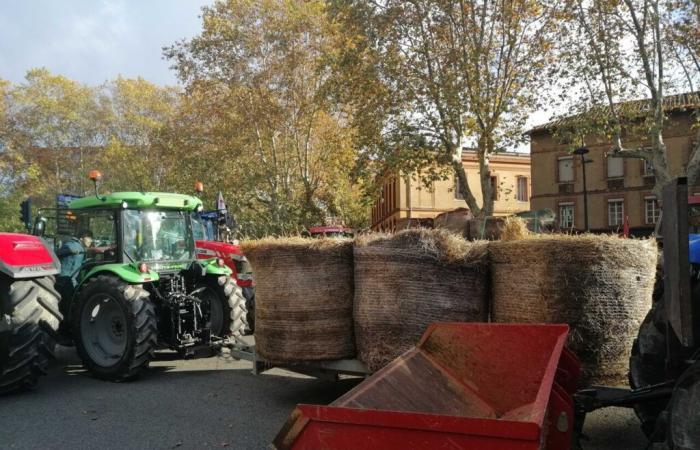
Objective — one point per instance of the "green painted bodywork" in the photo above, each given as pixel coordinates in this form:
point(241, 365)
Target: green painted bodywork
point(126, 272)
point(139, 200)
point(213, 268)
point(130, 274)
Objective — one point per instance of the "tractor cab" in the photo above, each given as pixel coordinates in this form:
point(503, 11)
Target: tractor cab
point(147, 233)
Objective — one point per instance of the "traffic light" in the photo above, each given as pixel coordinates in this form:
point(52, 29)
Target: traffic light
point(26, 213)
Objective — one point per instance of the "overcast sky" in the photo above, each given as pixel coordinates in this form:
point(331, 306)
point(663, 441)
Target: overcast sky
point(94, 40)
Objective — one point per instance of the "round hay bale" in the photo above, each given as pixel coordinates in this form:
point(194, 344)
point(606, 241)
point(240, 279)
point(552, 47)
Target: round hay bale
point(600, 285)
point(304, 293)
point(406, 281)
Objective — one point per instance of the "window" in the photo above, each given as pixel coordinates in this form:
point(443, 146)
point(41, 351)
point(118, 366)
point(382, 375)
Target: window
point(566, 169)
point(101, 226)
point(494, 187)
point(647, 168)
point(616, 167)
point(566, 215)
point(616, 212)
point(458, 192)
point(522, 194)
point(651, 210)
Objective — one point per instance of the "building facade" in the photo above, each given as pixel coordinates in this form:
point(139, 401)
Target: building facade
point(618, 189)
point(405, 202)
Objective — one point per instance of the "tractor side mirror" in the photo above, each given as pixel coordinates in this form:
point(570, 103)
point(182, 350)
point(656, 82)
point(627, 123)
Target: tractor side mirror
point(39, 226)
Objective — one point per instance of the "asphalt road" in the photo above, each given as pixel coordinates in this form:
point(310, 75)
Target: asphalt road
point(194, 404)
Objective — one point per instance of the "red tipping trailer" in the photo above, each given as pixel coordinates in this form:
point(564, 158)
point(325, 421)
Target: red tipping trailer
point(464, 386)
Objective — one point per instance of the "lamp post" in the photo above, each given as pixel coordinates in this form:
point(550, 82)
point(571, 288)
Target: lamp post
point(582, 151)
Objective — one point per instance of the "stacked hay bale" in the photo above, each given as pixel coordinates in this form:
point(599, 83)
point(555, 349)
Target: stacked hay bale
point(304, 294)
point(406, 281)
point(600, 285)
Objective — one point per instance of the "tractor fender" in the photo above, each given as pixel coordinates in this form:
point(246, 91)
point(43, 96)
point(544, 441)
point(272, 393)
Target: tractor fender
point(126, 272)
point(26, 256)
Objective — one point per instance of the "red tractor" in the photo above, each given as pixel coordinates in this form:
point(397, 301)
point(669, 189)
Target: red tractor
point(213, 238)
point(29, 314)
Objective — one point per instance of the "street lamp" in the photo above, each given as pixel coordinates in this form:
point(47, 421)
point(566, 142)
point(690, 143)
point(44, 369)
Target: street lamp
point(583, 151)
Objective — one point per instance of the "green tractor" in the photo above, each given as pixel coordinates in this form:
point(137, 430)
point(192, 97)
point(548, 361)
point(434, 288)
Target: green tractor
point(137, 284)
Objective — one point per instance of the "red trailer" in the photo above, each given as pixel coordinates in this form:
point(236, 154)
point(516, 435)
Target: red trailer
point(464, 386)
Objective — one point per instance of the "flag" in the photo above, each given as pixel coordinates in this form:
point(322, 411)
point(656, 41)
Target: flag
point(220, 203)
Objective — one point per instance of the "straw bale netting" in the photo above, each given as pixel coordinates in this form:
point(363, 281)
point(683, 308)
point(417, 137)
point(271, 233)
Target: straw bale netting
point(600, 285)
point(406, 281)
point(304, 293)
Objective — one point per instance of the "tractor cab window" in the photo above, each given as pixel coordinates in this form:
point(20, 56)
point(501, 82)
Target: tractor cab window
point(96, 231)
point(157, 236)
point(202, 228)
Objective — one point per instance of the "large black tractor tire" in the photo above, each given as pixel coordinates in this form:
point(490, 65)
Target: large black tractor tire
point(684, 412)
point(647, 367)
point(115, 328)
point(30, 315)
point(226, 306)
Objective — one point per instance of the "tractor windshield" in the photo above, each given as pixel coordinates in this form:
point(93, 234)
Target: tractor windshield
point(157, 236)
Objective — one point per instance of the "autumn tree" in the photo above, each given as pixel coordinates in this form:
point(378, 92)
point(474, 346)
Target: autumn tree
point(627, 49)
point(56, 128)
point(136, 154)
point(444, 75)
point(257, 69)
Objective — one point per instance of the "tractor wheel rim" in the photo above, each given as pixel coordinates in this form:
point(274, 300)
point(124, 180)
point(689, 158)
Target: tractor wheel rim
point(103, 330)
point(215, 321)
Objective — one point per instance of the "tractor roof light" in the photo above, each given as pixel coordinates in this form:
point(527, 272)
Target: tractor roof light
point(95, 175)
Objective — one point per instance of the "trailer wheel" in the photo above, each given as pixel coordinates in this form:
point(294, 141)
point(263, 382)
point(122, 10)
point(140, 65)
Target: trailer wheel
point(30, 315)
point(647, 367)
point(684, 420)
point(227, 311)
point(115, 328)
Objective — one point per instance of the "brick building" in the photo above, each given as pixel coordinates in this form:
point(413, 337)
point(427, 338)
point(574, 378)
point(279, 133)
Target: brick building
point(617, 187)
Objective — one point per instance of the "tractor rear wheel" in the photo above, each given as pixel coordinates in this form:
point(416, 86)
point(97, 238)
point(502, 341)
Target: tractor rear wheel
point(30, 318)
point(683, 417)
point(115, 328)
point(647, 367)
point(226, 304)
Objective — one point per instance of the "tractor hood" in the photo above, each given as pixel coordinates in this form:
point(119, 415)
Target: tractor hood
point(139, 200)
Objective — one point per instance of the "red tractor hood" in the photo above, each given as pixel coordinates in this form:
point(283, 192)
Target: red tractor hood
point(25, 256)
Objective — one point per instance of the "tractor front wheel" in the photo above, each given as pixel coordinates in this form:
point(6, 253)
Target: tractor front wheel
point(115, 328)
point(29, 319)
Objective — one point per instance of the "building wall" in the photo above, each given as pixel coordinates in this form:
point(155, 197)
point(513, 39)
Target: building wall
point(548, 191)
point(403, 198)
